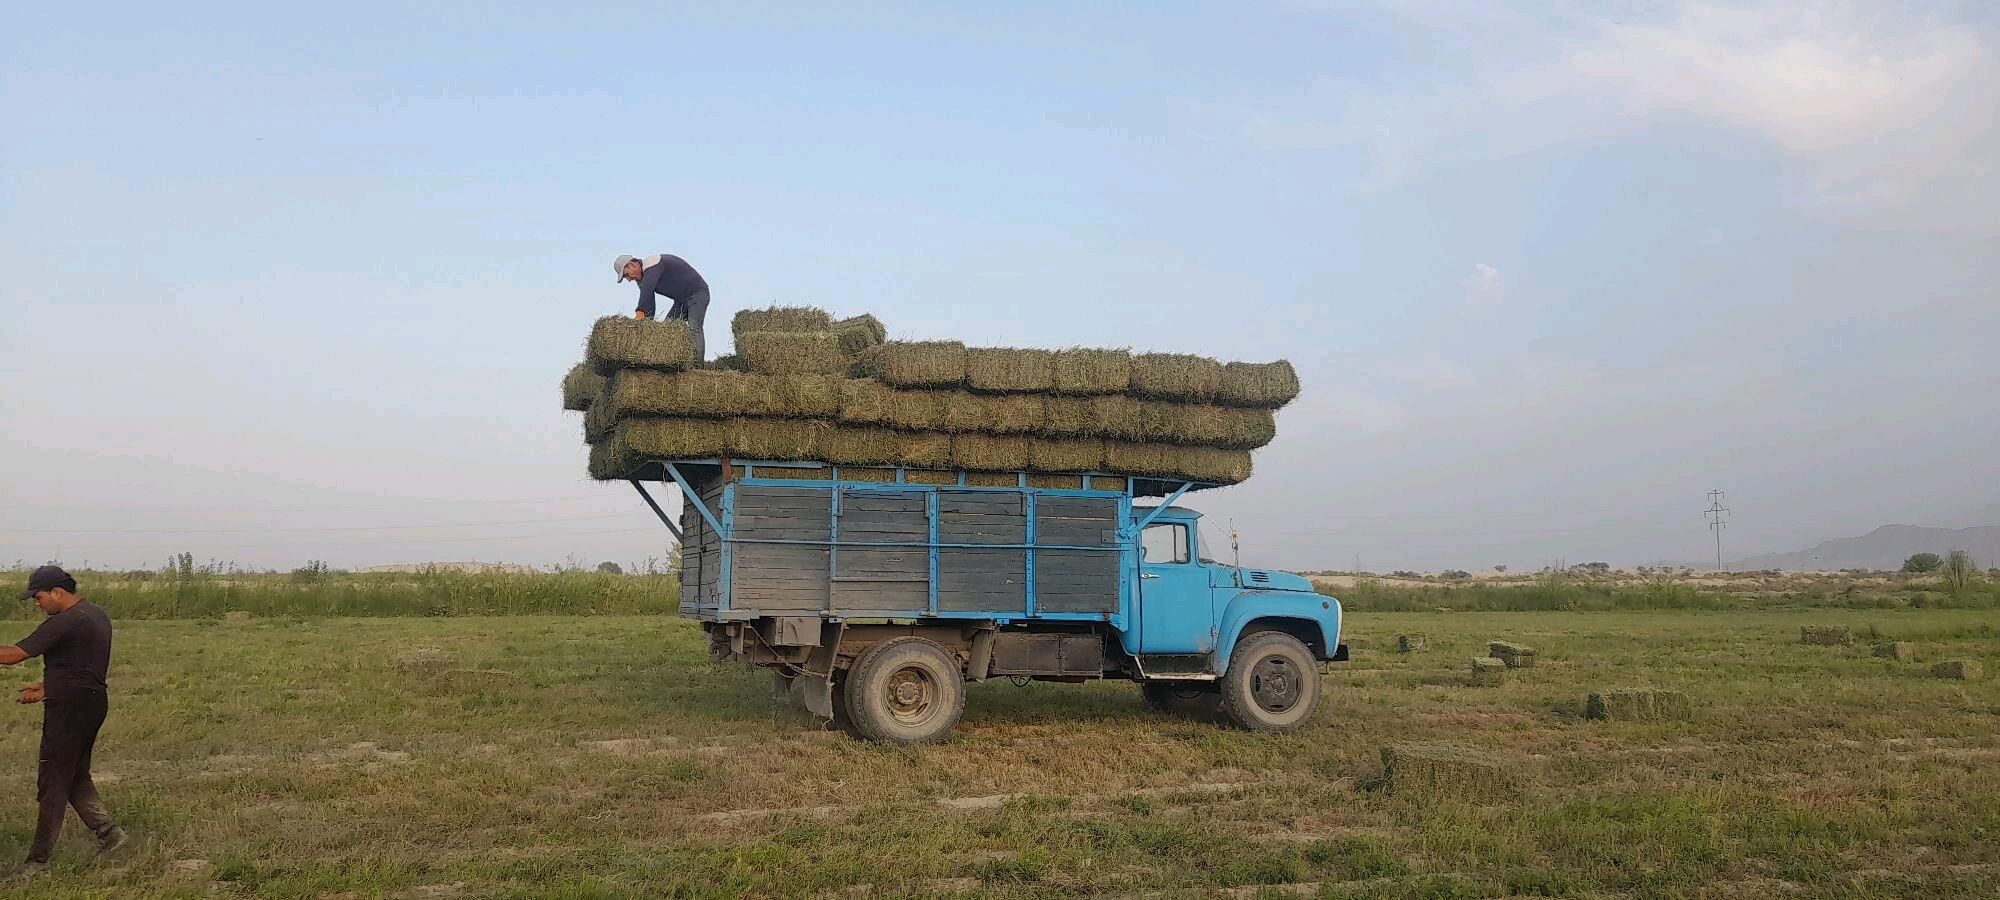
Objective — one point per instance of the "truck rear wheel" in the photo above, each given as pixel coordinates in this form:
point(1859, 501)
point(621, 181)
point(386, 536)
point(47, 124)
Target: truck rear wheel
point(1197, 700)
point(905, 691)
point(1272, 683)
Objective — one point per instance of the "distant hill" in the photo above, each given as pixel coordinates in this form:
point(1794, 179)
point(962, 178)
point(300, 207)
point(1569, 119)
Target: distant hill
point(1884, 548)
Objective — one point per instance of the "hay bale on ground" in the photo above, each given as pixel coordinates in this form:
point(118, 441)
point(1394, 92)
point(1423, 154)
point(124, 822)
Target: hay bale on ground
point(781, 440)
point(780, 318)
point(1900, 651)
point(1638, 704)
point(1175, 376)
point(673, 438)
point(1005, 370)
point(1514, 656)
point(424, 659)
point(1961, 669)
point(617, 342)
point(1081, 371)
point(713, 394)
point(966, 413)
point(916, 363)
point(1487, 670)
point(1060, 455)
point(792, 353)
point(1672, 705)
point(990, 453)
point(1825, 635)
point(581, 387)
point(859, 333)
point(865, 401)
point(1259, 385)
point(1411, 643)
point(1442, 770)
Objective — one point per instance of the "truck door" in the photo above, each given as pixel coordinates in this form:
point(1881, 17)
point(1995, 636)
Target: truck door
point(1174, 614)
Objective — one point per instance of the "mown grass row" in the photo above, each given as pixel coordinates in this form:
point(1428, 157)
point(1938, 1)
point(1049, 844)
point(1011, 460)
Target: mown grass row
point(438, 593)
point(1566, 595)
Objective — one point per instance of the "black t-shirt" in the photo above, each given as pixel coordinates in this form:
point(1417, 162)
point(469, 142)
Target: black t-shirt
point(668, 275)
point(76, 646)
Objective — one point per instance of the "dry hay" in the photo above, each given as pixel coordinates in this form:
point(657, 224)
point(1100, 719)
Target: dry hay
point(930, 476)
point(673, 438)
point(1487, 670)
point(581, 387)
point(792, 352)
point(1081, 416)
point(1056, 482)
point(1152, 421)
point(780, 318)
point(1411, 643)
point(1962, 669)
point(1638, 704)
point(1005, 370)
point(993, 414)
point(1112, 483)
point(865, 401)
point(609, 461)
point(1825, 635)
point(1202, 464)
point(917, 363)
point(859, 333)
point(598, 421)
point(786, 440)
point(1057, 455)
point(617, 342)
point(1084, 371)
point(1514, 656)
point(992, 479)
point(731, 362)
point(718, 394)
point(853, 446)
point(1442, 770)
point(1175, 376)
point(866, 474)
point(1258, 385)
point(424, 660)
point(1900, 651)
point(990, 453)
point(769, 472)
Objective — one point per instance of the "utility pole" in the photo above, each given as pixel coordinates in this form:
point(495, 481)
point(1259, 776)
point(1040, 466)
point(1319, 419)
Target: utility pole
point(1716, 513)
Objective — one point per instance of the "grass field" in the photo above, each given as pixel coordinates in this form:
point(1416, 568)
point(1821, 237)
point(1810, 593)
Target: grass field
point(605, 756)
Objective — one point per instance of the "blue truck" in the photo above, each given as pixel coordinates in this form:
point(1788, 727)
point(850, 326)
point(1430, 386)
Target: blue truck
point(879, 593)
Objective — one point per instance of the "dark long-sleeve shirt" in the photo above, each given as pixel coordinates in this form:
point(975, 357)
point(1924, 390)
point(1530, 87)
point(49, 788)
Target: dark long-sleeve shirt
point(668, 275)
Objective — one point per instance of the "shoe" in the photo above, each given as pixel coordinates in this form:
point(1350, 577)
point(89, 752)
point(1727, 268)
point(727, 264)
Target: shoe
point(113, 841)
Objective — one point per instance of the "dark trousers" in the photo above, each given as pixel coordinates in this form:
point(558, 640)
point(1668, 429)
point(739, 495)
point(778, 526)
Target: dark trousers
point(695, 311)
point(69, 734)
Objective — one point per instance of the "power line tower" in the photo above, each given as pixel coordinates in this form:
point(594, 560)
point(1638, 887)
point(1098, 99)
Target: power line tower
point(1716, 513)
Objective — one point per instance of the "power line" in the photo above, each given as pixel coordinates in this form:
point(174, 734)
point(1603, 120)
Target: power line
point(1716, 513)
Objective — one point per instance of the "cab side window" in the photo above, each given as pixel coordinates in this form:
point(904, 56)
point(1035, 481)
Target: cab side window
point(1165, 543)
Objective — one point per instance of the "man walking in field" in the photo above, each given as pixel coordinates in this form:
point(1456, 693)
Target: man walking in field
point(670, 276)
point(75, 644)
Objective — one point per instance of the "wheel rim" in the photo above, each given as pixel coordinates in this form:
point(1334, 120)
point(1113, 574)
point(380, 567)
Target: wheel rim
point(911, 695)
point(1275, 684)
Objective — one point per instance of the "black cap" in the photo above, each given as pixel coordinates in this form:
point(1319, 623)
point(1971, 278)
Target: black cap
point(48, 578)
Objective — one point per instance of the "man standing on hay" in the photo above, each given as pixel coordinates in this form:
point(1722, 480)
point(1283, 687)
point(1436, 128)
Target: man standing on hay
point(75, 643)
point(671, 276)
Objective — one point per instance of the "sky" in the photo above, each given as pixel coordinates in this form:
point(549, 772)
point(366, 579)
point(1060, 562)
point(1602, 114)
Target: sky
point(288, 284)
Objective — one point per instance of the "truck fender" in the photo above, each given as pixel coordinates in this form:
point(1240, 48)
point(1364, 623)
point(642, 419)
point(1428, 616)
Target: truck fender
point(1314, 618)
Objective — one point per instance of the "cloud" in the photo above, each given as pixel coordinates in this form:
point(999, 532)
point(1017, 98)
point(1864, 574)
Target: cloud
point(1484, 287)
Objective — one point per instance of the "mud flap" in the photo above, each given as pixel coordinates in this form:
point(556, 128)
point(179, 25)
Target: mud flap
point(819, 687)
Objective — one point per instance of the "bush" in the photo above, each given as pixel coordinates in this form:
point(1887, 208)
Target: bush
point(1920, 563)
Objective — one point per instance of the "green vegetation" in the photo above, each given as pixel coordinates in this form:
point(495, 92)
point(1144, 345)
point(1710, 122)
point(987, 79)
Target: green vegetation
point(1560, 592)
point(1922, 562)
point(561, 756)
point(185, 591)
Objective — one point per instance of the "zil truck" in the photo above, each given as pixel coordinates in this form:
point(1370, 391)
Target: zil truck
point(879, 593)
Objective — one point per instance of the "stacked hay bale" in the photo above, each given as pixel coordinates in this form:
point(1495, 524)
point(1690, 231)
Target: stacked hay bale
point(804, 387)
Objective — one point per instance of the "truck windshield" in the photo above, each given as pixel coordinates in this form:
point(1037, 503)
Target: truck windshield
point(1213, 540)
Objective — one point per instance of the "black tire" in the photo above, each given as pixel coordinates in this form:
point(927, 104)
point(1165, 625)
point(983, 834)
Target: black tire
point(1272, 684)
point(1195, 700)
point(905, 691)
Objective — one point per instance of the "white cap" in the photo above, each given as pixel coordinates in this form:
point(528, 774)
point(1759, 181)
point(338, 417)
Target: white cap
point(619, 266)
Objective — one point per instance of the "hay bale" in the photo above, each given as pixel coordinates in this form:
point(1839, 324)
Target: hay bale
point(617, 342)
point(1056, 482)
point(424, 660)
point(866, 474)
point(1961, 669)
point(990, 453)
point(930, 476)
point(780, 440)
point(1081, 371)
point(730, 362)
point(1514, 656)
point(1108, 483)
point(1442, 770)
point(992, 479)
point(792, 353)
point(673, 438)
point(858, 333)
point(1825, 635)
point(1202, 464)
point(1638, 704)
point(610, 461)
point(1487, 670)
point(1192, 424)
point(966, 413)
point(598, 421)
point(780, 318)
point(1672, 705)
point(581, 387)
point(1258, 385)
point(1061, 455)
point(1082, 416)
point(705, 393)
point(865, 401)
point(1175, 376)
point(1003, 370)
point(861, 446)
point(1412, 643)
point(1900, 651)
point(916, 363)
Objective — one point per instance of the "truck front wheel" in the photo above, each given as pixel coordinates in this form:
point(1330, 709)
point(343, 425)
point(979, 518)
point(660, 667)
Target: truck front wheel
point(1272, 683)
point(905, 691)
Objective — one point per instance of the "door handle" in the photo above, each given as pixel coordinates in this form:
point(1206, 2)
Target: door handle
point(1147, 575)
